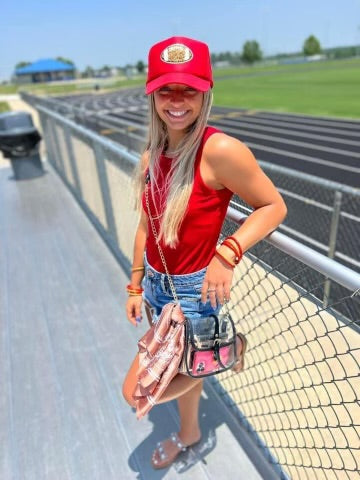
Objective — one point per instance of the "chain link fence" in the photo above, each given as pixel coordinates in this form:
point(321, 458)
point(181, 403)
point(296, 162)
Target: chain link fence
point(320, 212)
point(322, 215)
point(299, 394)
point(298, 397)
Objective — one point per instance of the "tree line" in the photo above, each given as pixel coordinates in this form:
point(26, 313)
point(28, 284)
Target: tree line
point(251, 53)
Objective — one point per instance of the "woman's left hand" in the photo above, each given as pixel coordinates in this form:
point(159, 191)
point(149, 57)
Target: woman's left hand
point(217, 282)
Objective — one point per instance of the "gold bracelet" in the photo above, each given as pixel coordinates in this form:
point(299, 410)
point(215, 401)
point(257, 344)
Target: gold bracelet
point(137, 269)
point(135, 294)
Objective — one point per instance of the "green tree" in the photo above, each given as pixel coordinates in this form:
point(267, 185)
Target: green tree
point(311, 46)
point(88, 72)
point(21, 65)
point(65, 60)
point(128, 70)
point(140, 66)
point(251, 51)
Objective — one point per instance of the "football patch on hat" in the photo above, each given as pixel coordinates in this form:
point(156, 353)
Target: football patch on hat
point(176, 53)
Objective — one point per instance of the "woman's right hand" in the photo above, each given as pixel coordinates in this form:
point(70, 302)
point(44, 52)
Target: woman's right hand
point(133, 309)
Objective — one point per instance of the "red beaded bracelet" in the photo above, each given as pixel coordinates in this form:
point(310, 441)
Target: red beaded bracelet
point(134, 290)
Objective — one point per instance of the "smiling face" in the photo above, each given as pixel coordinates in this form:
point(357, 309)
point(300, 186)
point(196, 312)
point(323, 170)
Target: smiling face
point(178, 106)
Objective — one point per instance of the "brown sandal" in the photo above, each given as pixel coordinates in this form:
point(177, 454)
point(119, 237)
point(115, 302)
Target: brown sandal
point(164, 460)
point(240, 356)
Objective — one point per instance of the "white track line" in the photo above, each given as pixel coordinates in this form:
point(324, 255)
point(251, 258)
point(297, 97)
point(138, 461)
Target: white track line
point(294, 133)
point(300, 126)
point(305, 158)
point(316, 121)
point(296, 143)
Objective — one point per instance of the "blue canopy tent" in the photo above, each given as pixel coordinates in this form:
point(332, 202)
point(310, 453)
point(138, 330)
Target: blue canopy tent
point(45, 70)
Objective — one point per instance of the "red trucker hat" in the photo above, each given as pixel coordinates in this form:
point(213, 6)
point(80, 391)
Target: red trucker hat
point(179, 60)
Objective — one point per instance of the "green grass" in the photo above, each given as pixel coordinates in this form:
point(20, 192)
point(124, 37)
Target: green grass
point(46, 89)
point(66, 88)
point(138, 82)
point(8, 89)
point(4, 107)
point(244, 70)
point(331, 90)
point(41, 89)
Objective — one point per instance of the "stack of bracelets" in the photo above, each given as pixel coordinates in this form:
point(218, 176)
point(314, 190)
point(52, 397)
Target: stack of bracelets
point(135, 291)
point(229, 242)
point(234, 245)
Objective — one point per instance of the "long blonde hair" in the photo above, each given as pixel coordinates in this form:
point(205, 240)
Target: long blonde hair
point(180, 180)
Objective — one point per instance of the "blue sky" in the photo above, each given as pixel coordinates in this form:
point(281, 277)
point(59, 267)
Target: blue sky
point(119, 32)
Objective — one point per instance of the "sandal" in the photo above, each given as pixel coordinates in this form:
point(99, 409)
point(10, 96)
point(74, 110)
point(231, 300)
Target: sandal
point(240, 360)
point(164, 459)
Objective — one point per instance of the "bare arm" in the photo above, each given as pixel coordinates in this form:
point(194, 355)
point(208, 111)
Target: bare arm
point(139, 248)
point(141, 233)
point(235, 167)
point(133, 304)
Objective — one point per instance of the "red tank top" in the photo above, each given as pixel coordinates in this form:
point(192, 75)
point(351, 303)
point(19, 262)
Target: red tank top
point(200, 228)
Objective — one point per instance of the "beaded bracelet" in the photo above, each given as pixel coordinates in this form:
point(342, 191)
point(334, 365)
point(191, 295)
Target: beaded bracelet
point(134, 290)
point(130, 290)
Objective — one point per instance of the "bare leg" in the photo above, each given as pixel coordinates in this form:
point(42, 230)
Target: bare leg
point(179, 386)
point(189, 432)
point(188, 392)
point(189, 415)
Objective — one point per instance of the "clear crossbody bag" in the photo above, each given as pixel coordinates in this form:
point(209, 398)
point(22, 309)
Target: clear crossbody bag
point(210, 342)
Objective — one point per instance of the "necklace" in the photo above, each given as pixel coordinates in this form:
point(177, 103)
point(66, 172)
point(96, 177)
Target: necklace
point(169, 154)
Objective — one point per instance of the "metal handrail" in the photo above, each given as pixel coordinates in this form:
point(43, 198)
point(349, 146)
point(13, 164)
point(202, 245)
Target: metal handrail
point(327, 266)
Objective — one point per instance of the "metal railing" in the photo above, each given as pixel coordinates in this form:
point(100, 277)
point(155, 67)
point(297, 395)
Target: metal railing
point(298, 397)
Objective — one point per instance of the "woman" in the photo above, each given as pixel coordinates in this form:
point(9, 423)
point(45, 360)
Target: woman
point(194, 171)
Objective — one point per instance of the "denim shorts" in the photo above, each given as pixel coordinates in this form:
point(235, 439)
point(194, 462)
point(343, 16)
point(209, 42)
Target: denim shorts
point(188, 287)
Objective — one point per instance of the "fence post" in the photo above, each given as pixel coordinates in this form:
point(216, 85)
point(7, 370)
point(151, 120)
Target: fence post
point(332, 240)
point(105, 192)
point(73, 164)
point(45, 120)
point(59, 164)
